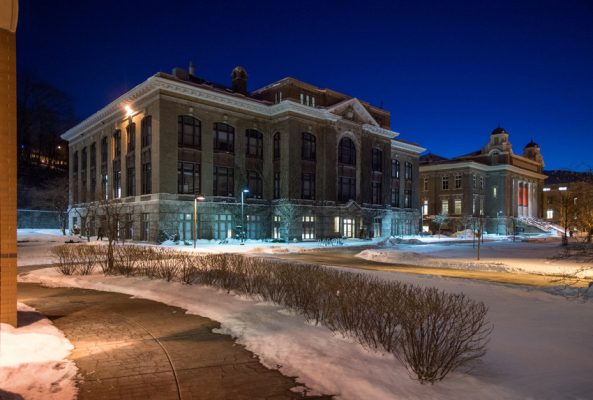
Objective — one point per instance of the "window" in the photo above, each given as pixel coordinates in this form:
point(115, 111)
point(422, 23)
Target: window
point(495, 192)
point(94, 155)
point(276, 185)
point(457, 181)
point(408, 172)
point(346, 188)
point(394, 169)
point(224, 181)
point(377, 160)
point(408, 198)
point(254, 144)
point(224, 138)
point(445, 206)
point(482, 182)
point(116, 179)
point(457, 206)
point(131, 136)
point(276, 225)
point(146, 131)
point(145, 232)
point(425, 207)
point(395, 197)
point(481, 206)
point(308, 147)
point(254, 183)
point(308, 186)
point(445, 182)
point(474, 185)
point(186, 227)
point(277, 146)
point(223, 226)
point(348, 227)
point(308, 227)
point(146, 172)
point(128, 226)
point(75, 162)
point(83, 160)
point(130, 180)
point(302, 97)
point(104, 182)
point(376, 192)
point(253, 226)
point(426, 185)
point(189, 131)
point(93, 187)
point(550, 213)
point(104, 150)
point(116, 144)
point(347, 152)
point(188, 178)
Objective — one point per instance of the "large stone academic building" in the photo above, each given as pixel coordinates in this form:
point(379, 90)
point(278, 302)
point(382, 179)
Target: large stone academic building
point(316, 163)
point(492, 182)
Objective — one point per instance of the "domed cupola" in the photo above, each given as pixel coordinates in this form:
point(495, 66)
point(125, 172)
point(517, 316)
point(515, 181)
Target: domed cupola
point(532, 151)
point(498, 131)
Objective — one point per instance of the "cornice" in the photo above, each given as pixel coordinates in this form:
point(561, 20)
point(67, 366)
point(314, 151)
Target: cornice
point(481, 167)
point(395, 144)
point(377, 130)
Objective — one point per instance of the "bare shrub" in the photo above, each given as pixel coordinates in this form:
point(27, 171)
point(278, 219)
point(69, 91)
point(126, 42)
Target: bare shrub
point(66, 261)
point(441, 332)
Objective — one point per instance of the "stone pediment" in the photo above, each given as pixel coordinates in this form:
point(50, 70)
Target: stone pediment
point(353, 110)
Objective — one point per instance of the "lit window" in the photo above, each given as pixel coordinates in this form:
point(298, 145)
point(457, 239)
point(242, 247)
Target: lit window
point(457, 206)
point(425, 207)
point(308, 227)
point(494, 192)
point(445, 206)
point(546, 189)
point(550, 213)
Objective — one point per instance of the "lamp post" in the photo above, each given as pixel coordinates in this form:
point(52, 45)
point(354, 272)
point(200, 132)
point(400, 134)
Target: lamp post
point(245, 190)
point(564, 203)
point(197, 198)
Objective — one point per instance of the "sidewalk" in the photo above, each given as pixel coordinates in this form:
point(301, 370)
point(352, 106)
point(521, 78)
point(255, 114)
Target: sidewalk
point(139, 349)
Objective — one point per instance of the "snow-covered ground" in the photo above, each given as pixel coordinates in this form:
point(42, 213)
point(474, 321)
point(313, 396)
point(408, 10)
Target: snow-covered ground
point(540, 348)
point(530, 257)
point(33, 360)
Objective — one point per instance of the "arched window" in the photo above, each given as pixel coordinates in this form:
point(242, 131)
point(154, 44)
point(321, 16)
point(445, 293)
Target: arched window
point(308, 147)
point(347, 152)
point(224, 138)
point(277, 146)
point(189, 131)
point(254, 143)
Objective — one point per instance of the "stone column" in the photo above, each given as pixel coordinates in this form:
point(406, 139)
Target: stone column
point(8, 164)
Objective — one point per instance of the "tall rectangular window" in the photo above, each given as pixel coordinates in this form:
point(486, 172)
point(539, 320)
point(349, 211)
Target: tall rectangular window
point(277, 146)
point(426, 186)
point(346, 188)
point(308, 147)
point(376, 192)
point(445, 206)
point(116, 144)
point(395, 197)
point(146, 163)
point(146, 131)
point(445, 182)
point(408, 198)
point(457, 181)
point(474, 185)
point(189, 131)
point(377, 160)
point(458, 206)
point(223, 226)
point(145, 231)
point(425, 207)
point(254, 183)
point(104, 150)
point(482, 182)
point(395, 169)
point(224, 138)
point(224, 181)
point(276, 185)
point(408, 172)
point(188, 178)
point(94, 155)
point(116, 179)
point(254, 141)
point(131, 136)
point(308, 227)
point(308, 186)
point(130, 180)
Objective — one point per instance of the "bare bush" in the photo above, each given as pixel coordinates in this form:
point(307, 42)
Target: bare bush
point(66, 263)
point(441, 332)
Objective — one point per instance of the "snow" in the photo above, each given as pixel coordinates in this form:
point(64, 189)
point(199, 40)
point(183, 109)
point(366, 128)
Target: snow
point(502, 256)
point(33, 360)
point(540, 348)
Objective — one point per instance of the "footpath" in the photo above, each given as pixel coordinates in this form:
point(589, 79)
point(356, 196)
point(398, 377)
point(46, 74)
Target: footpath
point(128, 348)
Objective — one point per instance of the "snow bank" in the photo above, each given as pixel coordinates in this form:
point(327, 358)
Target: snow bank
point(540, 346)
point(33, 360)
point(535, 258)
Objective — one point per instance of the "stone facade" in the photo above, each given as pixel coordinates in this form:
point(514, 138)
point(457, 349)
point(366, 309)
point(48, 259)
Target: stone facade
point(317, 163)
point(492, 182)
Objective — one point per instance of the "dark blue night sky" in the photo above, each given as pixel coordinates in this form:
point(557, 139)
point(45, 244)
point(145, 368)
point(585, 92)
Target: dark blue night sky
point(449, 71)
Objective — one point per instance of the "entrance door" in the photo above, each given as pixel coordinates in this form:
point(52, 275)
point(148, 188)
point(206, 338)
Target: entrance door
point(348, 227)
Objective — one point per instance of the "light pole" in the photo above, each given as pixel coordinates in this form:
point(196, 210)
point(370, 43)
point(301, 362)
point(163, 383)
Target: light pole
point(564, 203)
point(197, 198)
point(245, 190)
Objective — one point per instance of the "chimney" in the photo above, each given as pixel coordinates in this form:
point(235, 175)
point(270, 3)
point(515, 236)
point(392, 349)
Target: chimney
point(239, 80)
point(192, 69)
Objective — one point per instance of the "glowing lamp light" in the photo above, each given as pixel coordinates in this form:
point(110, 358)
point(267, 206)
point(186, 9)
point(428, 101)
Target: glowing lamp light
point(562, 188)
point(129, 111)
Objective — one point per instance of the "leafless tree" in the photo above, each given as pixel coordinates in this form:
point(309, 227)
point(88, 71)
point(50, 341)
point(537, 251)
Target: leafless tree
point(440, 220)
point(54, 196)
point(288, 213)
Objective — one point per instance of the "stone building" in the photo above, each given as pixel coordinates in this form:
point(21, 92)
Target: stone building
point(565, 195)
point(492, 182)
point(316, 163)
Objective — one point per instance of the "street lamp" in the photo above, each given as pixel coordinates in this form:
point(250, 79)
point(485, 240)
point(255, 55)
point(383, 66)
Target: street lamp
point(197, 198)
point(564, 203)
point(245, 190)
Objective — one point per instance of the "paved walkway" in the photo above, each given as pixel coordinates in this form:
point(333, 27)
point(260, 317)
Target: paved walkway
point(139, 349)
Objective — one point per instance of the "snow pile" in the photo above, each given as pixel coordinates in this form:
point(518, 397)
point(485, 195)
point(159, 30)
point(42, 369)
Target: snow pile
point(33, 360)
point(539, 347)
point(535, 258)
